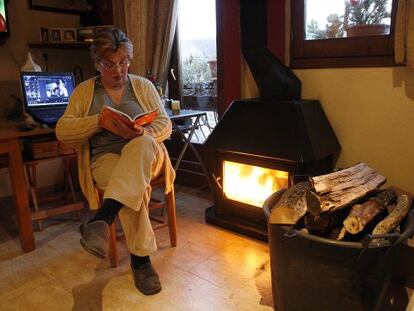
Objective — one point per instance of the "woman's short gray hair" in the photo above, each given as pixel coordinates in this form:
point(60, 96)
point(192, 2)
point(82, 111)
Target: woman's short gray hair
point(110, 39)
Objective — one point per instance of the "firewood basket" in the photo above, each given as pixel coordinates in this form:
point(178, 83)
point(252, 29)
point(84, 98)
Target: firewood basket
point(315, 273)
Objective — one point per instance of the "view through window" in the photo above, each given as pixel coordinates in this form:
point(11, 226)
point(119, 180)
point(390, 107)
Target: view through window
point(197, 27)
point(327, 19)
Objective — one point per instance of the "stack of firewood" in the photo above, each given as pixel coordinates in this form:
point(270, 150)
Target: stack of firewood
point(344, 205)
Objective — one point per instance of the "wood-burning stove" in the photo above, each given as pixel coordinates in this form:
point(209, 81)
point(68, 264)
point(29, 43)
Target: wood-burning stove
point(259, 147)
point(278, 131)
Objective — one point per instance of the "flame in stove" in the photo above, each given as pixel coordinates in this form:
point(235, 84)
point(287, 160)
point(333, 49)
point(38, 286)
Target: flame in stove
point(251, 184)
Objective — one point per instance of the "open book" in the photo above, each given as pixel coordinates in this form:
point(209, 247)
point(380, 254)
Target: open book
point(109, 113)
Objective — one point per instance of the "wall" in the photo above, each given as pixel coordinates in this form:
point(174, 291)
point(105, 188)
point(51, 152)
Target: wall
point(371, 111)
point(24, 27)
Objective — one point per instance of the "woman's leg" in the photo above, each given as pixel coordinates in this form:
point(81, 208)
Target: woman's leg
point(101, 172)
point(140, 161)
point(95, 234)
point(126, 179)
point(102, 169)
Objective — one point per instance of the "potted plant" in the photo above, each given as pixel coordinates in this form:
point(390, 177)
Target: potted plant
point(365, 17)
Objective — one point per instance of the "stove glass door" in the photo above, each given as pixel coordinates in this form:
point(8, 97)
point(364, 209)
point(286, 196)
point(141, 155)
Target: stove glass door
point(251, 184)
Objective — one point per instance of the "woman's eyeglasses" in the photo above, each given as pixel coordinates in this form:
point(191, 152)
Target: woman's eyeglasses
point(109, 66)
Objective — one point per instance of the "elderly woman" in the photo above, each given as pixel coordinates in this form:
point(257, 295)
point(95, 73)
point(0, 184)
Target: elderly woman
point(122, 162)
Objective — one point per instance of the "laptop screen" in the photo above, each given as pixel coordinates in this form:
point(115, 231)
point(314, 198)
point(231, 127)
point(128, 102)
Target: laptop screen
point(46, 89)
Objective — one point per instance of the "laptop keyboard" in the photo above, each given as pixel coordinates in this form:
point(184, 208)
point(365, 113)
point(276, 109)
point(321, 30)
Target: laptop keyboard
point(49, 116)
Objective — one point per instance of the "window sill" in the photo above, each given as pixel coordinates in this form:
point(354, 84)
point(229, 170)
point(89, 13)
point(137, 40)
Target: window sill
point(342, 62)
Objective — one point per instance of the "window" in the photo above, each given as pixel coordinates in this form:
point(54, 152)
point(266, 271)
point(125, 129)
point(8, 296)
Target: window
point(197, 46)
point(342, 33)
point(194, 62)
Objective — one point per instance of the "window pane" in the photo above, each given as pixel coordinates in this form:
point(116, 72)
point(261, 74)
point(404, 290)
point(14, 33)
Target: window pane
point(197, 26)
point(328, 19)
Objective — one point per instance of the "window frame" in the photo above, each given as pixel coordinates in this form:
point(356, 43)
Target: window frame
point(367, 51)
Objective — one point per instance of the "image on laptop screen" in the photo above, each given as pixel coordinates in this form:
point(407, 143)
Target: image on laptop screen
point(46, 89)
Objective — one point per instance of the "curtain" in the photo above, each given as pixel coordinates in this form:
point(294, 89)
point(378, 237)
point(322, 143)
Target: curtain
point(404, 33)
point(150, 25)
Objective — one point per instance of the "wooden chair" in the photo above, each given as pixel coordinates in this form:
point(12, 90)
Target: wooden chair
point(158, 221)
point(72, 203)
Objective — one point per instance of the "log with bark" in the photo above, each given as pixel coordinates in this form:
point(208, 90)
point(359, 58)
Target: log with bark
point(390, 222)
point(336, 190)
point(363, 214)
point(325, 221)
point(292, 205)
point(338, 233)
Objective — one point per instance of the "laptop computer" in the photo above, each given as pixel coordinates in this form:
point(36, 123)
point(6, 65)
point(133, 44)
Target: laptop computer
point(46, 94)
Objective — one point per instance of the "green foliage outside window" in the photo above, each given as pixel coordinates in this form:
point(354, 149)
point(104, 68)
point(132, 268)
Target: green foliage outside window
point(196, 73)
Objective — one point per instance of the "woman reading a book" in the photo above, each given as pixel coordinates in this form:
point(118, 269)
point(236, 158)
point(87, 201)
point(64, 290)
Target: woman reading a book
point(119, 159)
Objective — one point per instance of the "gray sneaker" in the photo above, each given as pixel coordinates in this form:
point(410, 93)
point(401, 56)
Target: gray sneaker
point(95, 238)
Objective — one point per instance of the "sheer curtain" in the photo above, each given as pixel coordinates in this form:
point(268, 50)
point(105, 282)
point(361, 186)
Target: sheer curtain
point(404, 33)
point(151, 26)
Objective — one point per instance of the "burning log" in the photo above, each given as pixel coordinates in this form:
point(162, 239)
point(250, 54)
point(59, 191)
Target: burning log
point(362, 214)
point(335, 190)
point(292, 205)
point(394, 218)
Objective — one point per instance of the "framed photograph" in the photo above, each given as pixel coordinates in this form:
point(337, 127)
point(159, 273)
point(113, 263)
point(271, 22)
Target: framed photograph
point(68, 34)
point(54, 34)
point(44, 34)
point(63, 6)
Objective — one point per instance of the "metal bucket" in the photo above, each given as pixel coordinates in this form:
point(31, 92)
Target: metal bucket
point(314, 273)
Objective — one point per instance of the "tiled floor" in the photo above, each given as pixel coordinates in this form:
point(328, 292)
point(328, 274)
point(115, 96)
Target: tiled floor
point(210, 269)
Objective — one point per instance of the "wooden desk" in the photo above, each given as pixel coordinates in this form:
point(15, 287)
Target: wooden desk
point(10, 145)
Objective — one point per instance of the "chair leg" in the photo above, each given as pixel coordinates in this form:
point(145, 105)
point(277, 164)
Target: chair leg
point(32, 175)
point(172, 217)
point(113, 251)
point(69, 183)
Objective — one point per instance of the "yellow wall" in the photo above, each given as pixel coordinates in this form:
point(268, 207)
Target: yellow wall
point(372, 113)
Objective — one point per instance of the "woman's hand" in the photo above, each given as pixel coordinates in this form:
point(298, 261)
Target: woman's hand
point(120, 128)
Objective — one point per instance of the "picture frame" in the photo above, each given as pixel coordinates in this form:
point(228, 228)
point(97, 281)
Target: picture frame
point(68, 34)
point(55, 34)
point(62, 6)
point(44, 34)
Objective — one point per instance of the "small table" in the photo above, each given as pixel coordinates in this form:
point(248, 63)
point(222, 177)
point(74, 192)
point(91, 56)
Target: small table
point(195, 116)
point(10, 145)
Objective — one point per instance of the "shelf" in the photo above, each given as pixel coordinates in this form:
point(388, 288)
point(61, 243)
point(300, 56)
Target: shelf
point(60, 45)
